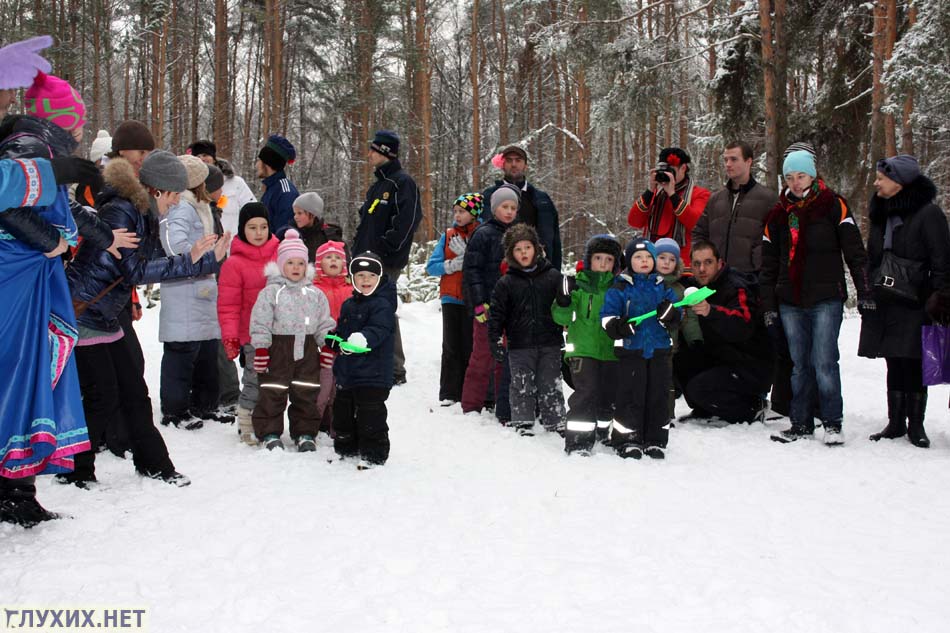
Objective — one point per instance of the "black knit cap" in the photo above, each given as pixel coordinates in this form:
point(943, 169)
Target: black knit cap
point(215, 179)
point(248, 211)
point(385, 142)
point(203, 147)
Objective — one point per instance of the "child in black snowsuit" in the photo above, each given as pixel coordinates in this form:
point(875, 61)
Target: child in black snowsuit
point(642, 418)
point(363, 380)
point(521, 310)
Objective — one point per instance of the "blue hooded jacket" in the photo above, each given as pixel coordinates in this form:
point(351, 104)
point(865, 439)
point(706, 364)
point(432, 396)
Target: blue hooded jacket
point(633, 295)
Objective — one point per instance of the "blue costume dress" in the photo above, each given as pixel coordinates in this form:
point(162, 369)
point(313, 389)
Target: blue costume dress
point(41, 417)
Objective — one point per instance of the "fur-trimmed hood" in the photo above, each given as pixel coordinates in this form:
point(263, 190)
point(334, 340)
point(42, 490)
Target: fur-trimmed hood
point(520, 233)
point(121, 182)
point(921, 192)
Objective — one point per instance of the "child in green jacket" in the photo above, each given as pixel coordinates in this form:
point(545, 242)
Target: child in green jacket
point(590, 352)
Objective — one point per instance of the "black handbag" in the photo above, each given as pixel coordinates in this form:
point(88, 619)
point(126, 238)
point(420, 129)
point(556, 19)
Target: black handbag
point(900, 278)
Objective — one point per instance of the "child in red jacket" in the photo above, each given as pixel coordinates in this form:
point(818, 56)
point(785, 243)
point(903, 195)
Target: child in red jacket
point(330, 262)
point(241, 280)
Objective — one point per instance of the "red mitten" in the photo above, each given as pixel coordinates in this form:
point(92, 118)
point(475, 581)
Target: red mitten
point(261, 359)
point(232, 347)
point(326, 357)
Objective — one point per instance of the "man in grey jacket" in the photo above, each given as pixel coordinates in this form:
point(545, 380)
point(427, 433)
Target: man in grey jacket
point(735, 215)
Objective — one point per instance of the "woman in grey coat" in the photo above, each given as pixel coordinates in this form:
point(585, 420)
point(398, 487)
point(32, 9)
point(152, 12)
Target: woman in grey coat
point(188, 322)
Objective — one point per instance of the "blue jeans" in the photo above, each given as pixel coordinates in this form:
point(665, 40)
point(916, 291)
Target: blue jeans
point(812, 335)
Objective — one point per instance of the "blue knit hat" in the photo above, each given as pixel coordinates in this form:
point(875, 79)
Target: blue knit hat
point(385, 142)
point(639, 244)
point(902, 169)
point(667, 245)
point(277, 152)
point(800, 161)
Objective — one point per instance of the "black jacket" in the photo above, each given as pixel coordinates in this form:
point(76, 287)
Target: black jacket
point(481, 268)
point(829, 233)
point(734, 332)
point(124, 203)
point(521, 307)
point(389, 216)
point(893, 330)
point(375, 317)
point(29, 137)
point(315, 236)
point(543, 217)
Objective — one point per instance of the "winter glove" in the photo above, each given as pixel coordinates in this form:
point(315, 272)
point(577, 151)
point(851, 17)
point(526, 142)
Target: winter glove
point(481, 312)
point(770, 318)
point(498, 350)
point(564, 290)
point(232, 348)
point(261, 359)
point(327, 356)
point(866, 306)
point(618, 328)
point(457, 245)
point(332, 344)
point(453, 265)
point(666, 314)
point(72, 169)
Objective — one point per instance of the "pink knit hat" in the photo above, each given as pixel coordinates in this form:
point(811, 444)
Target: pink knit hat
point(331, 247)
point(53, 99)
point(291, 247)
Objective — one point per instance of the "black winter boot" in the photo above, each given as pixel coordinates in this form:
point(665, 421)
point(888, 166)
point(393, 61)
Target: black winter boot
point(794, 433)
point(896, 417)
point(916, 408)
point(18, 503)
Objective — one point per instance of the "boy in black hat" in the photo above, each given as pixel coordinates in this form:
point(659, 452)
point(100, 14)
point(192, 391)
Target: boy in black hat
point(279, 192)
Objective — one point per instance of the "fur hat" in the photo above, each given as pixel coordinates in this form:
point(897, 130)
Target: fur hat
point(132, 135)
point(639, 244)
point(520, 233)
point(196, 169)
point(55, 100)
point(204, 147)
point(606, 244)
point(292, 246)
point(277, 153)
point(163, 171)
point(249, 211)
point(674, 156)
point(366, 262)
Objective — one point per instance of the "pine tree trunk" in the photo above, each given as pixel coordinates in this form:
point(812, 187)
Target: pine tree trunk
point(501, 45)
point(221, 118)
point(474, 46)
point(890, 37)
point(768, 67)
point(425, 116)
point(907, 131)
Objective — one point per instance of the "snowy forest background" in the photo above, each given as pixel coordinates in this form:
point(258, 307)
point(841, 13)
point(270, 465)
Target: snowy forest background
point(592, 88)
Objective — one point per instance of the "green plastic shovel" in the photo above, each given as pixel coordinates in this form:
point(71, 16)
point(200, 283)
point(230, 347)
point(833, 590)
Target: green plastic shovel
point(349, 347)
point(697, 296)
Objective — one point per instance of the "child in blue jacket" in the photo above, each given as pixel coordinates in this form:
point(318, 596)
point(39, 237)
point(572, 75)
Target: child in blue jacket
point(641, 424)
point(363, 380)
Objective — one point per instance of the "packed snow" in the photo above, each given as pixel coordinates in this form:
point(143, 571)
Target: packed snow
point(472, 528)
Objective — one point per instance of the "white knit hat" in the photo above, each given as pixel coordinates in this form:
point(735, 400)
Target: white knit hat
point(101, 145)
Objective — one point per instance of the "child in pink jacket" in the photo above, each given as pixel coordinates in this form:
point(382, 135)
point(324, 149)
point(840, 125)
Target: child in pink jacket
point(241, 280)
point(331, 279)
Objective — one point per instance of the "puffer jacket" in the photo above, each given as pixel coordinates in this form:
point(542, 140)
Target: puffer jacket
point(336, 289)
point(290, 308)
point(586, 337)
point(535, 205)
point(124, 204)
point(734, 220)
point(41, 226)
point(390, 215)
point(375, 317)
point(632, 295)
point(189, 306)
point(893, 330)
point(481, 268)
point(241, 280)
point(521, 307)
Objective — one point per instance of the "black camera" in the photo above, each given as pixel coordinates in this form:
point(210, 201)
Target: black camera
point(664, 173)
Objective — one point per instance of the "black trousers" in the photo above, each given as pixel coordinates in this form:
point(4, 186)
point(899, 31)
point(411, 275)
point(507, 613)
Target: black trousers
point(905, 374)
point(642, 401)
point(591, 404)
point(729, 392)
point(359, 420)
point(229, 387)
point(456, 348)
point(113, 393)
point(189, 377)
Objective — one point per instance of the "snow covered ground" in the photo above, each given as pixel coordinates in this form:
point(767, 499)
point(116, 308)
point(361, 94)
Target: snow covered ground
point(472, 528)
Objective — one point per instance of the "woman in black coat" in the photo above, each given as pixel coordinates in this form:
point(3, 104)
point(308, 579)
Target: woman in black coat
point(906, 222)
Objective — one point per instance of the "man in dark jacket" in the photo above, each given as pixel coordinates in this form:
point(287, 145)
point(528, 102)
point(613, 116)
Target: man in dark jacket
point(536, 208)
point(388, 219)
point(727, 375)
point(735, 215)
point(279, 192)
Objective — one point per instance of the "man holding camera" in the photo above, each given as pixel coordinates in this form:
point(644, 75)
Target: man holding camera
point(673, 203)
